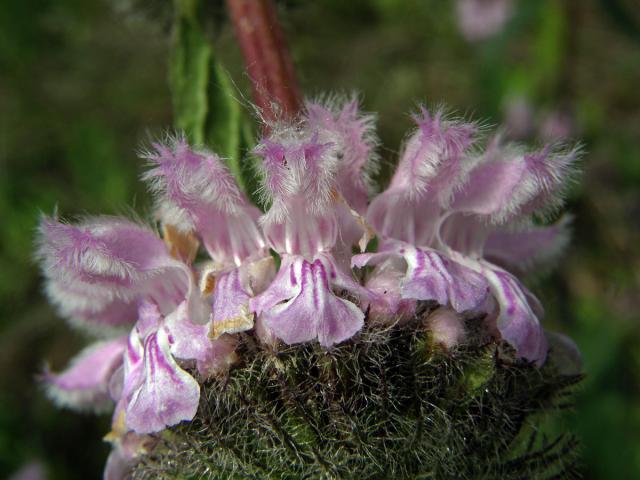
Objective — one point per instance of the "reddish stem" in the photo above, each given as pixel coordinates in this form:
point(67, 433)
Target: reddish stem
point(266, 56)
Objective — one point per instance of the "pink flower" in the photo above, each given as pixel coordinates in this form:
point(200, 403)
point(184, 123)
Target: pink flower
point(448, 210)
point(480, 19)
point(454, 227)
point(308, 222)
point(108, 275)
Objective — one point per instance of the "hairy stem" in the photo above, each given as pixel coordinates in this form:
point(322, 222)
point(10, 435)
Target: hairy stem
point(266, 56)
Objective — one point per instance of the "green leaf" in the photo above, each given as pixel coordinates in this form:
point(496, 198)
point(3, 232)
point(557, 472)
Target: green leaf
point(223, 129)
point(204, 97)
point(189, 70)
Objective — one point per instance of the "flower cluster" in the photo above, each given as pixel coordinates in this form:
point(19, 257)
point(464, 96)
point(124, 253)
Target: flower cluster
point(453, 227)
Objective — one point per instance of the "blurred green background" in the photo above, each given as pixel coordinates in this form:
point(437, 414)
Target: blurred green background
point(84, 84)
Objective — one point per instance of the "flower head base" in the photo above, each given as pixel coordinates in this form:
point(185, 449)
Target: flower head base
point(452, 228)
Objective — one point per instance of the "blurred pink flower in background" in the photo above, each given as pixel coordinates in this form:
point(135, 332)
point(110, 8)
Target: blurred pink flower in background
point(481, 19)
point(556, 125)
point(524, 121)
point(33, 470)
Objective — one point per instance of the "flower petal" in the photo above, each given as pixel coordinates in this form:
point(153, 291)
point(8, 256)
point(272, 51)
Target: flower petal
point(342, 124)
point(188, 340)
point(118, 467)
point(220, 356)
point(297, 164)
point(431, 160)
point(301, 232)
point(509, 183)
point(264, 333)
point(285, 285)
point(133, 367)
point(433, 276)
point(341, 320)
point(195, 191)
point(315, 311)
point(84, 385)
point(125, 453)
point(300, 185)
point(94, 311)
point(393, 214)
point(494, 187)
point(230, 305)
point(385, 281)
point(517, 321)
point(96, 270)
point(522, 250)
point(429, 171)
point(167, 395)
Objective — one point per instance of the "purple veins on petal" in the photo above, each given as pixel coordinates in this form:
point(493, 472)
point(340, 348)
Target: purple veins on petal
point(517, 320)
point(167, 394)
point(433, 276)
point(285, 285)
point(430, 275)
point(293, 320)
point(310, 310)
point(84, 385)
point(133, 368)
